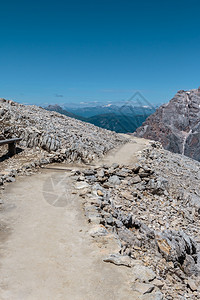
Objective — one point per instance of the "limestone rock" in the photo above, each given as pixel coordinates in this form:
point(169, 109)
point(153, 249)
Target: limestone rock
point(114, 180)
point(176, 124)
point(81, 185)
point(143, 288)
point(98, 231)
point(192, 285)
point(143, 274)
point(121, 260)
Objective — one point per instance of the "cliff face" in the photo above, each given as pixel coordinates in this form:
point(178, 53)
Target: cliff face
point(176, 124)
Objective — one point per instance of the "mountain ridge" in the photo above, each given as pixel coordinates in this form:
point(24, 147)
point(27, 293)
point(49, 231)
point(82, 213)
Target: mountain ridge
point(124, 119)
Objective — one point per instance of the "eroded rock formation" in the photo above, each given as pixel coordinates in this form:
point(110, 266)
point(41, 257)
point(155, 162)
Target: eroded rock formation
point(176, 124)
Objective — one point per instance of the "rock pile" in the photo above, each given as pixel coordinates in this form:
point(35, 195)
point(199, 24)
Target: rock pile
point(153, 208)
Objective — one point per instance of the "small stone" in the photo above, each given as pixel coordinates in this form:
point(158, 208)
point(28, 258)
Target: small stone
point(89, 172)
point(135, 179)
point(163, 245)
point(120, 260)
point(100, 173)
point(144, 288)
point(75, 192)
point(98, 231)
point(158, 283)
point(100, 193)
point(143, 274)
point(10, 179)
point(114, 180)
point(191, 284)
point(106, 185)
point(81, 185)
point(118, 224)
point(127, 195)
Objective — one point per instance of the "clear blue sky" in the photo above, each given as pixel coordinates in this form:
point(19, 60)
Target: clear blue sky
point(73, 51)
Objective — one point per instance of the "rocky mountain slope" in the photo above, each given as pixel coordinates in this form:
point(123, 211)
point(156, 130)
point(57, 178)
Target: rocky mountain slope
point(153, 209)
point(176, 124)
point(54, 134)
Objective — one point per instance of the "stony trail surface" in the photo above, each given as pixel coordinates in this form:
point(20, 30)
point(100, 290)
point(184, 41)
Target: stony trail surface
point(126, 153)
point(45, 248)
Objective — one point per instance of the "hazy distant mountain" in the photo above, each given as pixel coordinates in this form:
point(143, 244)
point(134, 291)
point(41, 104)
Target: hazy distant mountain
point(122, 119)
point(88, 112)
point(176, 124)
point(118, 123)
point(62, 111)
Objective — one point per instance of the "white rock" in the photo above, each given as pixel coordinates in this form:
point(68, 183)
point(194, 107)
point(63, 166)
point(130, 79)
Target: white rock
point(81, 185)
point(143, 274)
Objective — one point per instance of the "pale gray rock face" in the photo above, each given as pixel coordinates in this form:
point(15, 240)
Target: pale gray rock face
point(176, 124)
point(143, 274)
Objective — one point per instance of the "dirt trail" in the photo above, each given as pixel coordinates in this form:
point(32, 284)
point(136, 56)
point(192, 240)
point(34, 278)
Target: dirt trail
point(46, 252)
point(127, 153)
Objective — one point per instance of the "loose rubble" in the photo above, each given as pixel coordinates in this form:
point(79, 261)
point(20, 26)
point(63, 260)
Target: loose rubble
point(48, 137)
point(153, 208)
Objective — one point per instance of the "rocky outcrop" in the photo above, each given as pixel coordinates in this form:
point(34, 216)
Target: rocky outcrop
point(176, 124)
point(62, 136)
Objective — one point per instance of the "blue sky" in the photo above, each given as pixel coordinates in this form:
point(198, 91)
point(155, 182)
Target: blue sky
point(84, 51)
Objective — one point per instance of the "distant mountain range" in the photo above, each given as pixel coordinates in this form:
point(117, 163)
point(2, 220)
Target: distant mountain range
point(62, 111)
point(124, 119)
point(125, 109)
point(176, 124)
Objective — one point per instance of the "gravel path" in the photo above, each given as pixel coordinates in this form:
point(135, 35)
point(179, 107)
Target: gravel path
point(45, 246)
